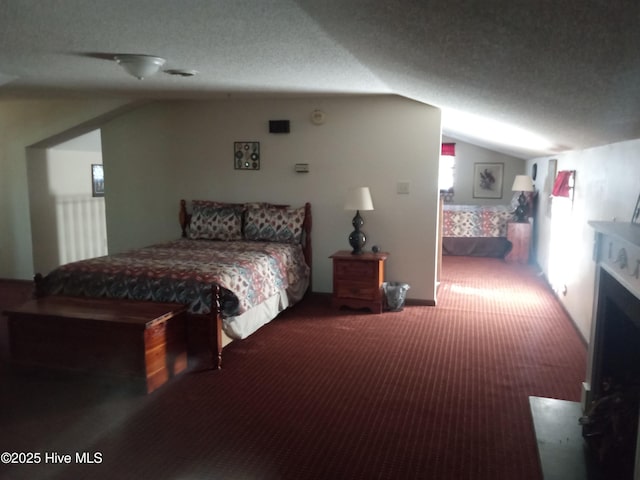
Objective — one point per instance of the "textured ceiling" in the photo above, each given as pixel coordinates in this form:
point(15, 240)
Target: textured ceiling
point(567, 71)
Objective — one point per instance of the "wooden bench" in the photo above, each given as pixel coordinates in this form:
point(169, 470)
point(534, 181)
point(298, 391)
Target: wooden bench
point(143, 341)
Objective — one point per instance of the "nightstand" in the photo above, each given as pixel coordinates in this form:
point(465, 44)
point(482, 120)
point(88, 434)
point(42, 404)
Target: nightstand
point(357, 280)
point(519, 234)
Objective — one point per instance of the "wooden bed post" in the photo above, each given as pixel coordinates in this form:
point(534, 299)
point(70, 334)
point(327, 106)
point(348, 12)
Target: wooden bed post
point(215, 328)
point(184, 218)
point(38, 291)
point(306, 248)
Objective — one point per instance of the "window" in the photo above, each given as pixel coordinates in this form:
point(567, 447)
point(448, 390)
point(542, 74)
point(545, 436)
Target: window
point(447, 170)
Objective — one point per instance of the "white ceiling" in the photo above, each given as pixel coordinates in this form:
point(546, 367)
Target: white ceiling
point(567, 71)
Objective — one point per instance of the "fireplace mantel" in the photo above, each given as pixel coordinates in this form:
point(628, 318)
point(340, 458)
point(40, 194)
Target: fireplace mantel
point(627, 232)
point(617, 250)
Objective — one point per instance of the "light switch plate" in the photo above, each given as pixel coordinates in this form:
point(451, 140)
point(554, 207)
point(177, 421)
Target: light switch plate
point(402, 188)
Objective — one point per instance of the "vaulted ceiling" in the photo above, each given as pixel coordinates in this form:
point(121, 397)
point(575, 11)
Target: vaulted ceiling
point(567, 73)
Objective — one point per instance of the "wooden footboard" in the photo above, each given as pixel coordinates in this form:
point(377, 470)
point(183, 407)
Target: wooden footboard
point(205, 336)
point(215, 328)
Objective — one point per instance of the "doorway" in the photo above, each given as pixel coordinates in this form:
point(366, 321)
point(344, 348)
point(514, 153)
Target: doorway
point(68, 221)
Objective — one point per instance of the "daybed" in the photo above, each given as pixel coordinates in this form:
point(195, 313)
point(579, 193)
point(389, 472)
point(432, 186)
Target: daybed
point(236, 267)
point(476, 230)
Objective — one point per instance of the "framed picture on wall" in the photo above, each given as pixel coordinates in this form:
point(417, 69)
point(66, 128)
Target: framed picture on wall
point(97, 180)
point(487, 180)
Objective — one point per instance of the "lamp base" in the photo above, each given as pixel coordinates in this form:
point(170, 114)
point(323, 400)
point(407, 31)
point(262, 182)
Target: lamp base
point(521, 210)
point(521, 216)
point(357, 239)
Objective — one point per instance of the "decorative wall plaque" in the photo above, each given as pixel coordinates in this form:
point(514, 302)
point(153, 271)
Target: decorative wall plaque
point(246, 155)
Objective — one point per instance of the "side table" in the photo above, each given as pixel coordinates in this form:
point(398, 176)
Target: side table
point(519, 234)
point(357, 280)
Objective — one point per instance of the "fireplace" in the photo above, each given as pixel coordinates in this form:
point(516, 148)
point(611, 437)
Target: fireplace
point(611, 392)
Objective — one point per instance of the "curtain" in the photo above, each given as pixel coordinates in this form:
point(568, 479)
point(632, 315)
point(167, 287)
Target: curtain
point(448, 149)
point(563, 184)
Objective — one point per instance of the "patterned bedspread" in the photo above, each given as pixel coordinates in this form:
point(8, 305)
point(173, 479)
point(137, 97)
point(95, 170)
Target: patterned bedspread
point(184, 270)
point(476, 220)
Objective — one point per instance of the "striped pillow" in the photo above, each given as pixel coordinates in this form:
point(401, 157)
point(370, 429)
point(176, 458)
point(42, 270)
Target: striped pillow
point(215, 221)
point(274, 224)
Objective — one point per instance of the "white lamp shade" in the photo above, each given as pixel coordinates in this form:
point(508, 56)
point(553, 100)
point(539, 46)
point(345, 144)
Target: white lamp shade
point(358, 199)
point(522, 183)
point(140, 66)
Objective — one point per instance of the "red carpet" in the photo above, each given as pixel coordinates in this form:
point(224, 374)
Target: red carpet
point(426, 393)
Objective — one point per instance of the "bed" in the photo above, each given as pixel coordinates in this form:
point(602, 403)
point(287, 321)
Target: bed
point(236, 267)
point(476, 230)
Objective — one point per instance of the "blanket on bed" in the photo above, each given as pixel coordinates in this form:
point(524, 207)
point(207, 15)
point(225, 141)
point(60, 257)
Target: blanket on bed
point(183, 271)
point(476, 220)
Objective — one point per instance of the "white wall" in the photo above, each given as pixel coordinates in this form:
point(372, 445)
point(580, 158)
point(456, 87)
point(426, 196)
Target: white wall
point(466, 156)
point(163, 152)
point(606, 188)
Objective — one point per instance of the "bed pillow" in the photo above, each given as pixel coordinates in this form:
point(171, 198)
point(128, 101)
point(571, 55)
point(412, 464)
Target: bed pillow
point(257, 205)
point(274, 224)
point(215, 221)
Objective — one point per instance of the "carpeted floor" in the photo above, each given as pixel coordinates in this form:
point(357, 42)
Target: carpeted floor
point(426, 393)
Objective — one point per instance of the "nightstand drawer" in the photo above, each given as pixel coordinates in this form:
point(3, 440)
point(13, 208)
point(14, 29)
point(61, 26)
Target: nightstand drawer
point(355, 270)
point(359, 291)
point(357, 280)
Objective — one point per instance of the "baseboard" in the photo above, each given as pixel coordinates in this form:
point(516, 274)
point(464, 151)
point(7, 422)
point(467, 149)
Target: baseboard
point(16, 281)
point(415, 302)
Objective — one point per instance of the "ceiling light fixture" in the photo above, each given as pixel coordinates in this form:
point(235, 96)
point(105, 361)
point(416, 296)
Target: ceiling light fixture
point(140, 66)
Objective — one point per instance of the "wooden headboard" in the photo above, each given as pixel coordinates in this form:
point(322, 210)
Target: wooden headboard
point(185, 218)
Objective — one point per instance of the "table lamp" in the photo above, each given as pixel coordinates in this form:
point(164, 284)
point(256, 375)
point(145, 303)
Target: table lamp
point(522, 183)
point(358, 199)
